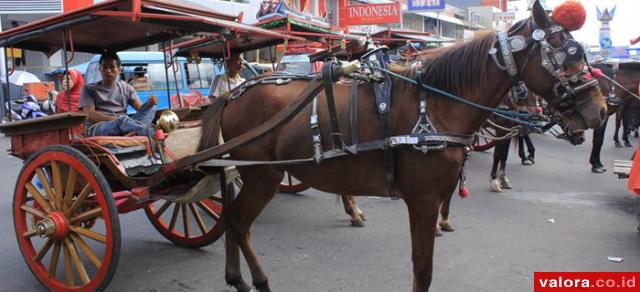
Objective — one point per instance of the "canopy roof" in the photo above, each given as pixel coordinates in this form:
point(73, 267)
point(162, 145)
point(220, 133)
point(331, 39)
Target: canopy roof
point(117, 25)
point(213, 46)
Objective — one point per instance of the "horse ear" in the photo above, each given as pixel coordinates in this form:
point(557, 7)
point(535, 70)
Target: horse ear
point(540, 16)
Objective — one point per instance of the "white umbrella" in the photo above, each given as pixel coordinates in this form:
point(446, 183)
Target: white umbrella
point(21, 77)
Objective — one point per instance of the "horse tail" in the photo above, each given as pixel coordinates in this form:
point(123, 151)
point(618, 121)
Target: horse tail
point(211, 124)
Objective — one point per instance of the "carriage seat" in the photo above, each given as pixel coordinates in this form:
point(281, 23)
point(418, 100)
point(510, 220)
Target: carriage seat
point(119, 141)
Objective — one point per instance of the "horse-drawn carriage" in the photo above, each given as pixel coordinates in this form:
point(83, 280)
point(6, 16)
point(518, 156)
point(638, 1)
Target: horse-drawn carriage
point(72, 189)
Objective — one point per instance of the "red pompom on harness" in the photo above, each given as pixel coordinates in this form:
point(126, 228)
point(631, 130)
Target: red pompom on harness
point(570, 15)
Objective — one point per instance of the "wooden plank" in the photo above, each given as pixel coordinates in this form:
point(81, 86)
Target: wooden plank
point(43, 124)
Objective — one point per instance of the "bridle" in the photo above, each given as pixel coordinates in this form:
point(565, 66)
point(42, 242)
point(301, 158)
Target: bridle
point(567, 84)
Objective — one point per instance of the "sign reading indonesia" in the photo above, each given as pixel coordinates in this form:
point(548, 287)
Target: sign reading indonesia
point(373, 14)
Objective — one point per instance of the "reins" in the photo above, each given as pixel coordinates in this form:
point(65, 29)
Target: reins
point(620, 85)
point(519, 118)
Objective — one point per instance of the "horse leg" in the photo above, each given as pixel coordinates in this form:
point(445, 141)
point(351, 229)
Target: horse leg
point(445, 224)
point(615, 134)
point(596, 147)
point(495, 181)
point(502, 174)
point(530, 149)
point(423, 217)
point(351, 208)
point(260, 185)
point(233, 275)
point(625, 127)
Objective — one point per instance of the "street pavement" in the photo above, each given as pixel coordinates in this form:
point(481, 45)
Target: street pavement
point(306, 244)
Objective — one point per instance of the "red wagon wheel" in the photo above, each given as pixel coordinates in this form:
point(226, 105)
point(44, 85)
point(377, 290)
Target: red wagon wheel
point(59, 197)
point(483, 139)
point(291, 185)
point(190, 224)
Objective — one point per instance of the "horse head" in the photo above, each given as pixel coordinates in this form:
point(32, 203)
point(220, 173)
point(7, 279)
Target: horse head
point(541, 52)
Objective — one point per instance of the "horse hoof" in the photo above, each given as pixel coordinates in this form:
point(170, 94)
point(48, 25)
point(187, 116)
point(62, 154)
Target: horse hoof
point(506, 184)
point(618, 145)
point(526, 162)
point(598, 169)
point(627, 144)
point(446, 226)
point(533, 161)
point(362, 217)
point(438, 232)
point(495, 186)
point(357, 223)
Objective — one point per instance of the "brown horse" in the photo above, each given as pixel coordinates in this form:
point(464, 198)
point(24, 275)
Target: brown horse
point(627, 75)
point(423, 181)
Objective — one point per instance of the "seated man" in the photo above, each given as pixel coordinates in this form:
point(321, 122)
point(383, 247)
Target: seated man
point(231, 80)
point(106, 103)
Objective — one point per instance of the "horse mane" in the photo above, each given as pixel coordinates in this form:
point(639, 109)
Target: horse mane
point(454, 69)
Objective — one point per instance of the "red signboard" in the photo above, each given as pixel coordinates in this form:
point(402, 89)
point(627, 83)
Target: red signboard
point(75, 4)
point(373, 14)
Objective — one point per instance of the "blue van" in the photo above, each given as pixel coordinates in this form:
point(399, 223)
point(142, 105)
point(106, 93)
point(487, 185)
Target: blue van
point(145, 72)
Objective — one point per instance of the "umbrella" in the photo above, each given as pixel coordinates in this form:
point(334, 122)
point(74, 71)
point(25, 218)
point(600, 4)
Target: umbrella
point(21, 77)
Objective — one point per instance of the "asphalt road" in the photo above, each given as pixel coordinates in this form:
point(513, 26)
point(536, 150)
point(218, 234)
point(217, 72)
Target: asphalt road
point(306, 244)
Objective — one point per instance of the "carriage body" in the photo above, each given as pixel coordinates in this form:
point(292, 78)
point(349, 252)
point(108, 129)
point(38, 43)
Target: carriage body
point(71, 188)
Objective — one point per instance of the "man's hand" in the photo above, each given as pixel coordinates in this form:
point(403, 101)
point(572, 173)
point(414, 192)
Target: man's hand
point(153, 99)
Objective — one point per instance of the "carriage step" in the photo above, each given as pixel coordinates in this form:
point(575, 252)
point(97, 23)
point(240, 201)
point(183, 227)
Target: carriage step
point(622, 168)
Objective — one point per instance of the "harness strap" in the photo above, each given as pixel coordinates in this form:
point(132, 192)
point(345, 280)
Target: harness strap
point(354, 112)
point(327, 78)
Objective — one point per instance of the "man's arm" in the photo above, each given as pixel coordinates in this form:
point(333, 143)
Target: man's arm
point(96, 116)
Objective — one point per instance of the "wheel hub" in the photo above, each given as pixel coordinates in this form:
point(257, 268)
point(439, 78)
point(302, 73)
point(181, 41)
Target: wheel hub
point(54, 226)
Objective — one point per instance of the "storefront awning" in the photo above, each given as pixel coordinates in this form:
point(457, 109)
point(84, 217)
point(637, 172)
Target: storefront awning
point(440, 16)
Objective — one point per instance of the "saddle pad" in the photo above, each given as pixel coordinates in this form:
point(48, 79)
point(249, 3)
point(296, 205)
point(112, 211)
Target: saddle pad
point(119, 141)
point(183, 142)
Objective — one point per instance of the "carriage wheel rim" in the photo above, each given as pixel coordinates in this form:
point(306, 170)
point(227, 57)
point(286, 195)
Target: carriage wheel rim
point(186, 224)
point(67, 247)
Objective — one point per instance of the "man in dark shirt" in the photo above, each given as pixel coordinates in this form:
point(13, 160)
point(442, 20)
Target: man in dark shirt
point(106, 103)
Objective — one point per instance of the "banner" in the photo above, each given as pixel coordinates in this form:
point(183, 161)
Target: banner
point(426, 5)
point(373, 14)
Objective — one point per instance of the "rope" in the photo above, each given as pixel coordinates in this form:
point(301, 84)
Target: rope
point(509, 115)
point(620, 85)
point(511, 132)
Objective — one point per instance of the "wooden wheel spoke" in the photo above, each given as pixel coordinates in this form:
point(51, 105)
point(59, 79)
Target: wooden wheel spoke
point(90, 234)
point(57, 184)
point(46, 186)
point(53, 262)
point(29, 234)
point(68, 271)
point(33, 211)
point(196, 214)
point(77, 262)
point(208, 210)
point(78, 202)
point(70, 188)
point(163, 208)
point(43, 250)
point(87, 250)
point(217, 199)
point(174, 217)
point(185, 221)
point(91, 214)
point(38, 197)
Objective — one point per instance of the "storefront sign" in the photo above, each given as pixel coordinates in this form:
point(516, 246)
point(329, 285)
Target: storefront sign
point(373, 14)
point(426, 5)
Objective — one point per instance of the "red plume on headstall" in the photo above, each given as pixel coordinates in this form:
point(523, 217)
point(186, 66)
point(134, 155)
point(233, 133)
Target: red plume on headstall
point(571, 15)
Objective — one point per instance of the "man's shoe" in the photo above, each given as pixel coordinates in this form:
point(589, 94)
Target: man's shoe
point(598, 169)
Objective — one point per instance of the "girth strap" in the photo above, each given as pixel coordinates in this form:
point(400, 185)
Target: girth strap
point(327, 77)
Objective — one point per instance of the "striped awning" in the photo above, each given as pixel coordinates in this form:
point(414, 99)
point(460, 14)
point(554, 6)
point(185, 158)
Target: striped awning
point(30, 6)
